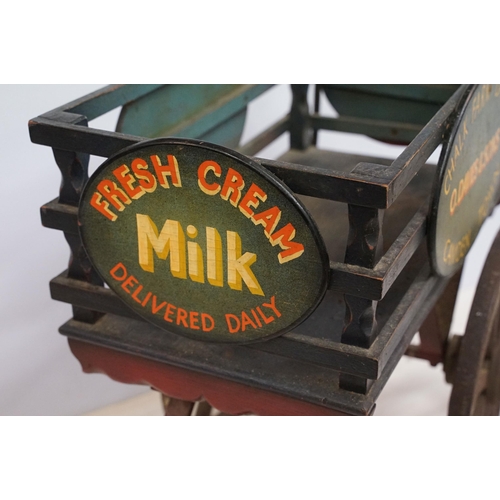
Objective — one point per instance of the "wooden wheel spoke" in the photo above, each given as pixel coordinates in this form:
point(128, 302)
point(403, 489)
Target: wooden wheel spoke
point(480, 405)
point(476, 381)
point(493, 389)
point(482, 380)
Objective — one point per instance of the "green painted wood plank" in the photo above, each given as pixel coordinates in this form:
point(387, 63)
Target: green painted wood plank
point(101, 101)
point(192, 111)
point(437, 94)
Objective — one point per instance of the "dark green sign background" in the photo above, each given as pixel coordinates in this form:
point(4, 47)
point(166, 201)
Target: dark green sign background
point(291, 290)
point(469, 176)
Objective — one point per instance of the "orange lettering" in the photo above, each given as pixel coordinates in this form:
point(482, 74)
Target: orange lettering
point(252, 199)
point(229, 319)
point(233, 186)
point(182, 317)
point(146, 300)
point(129, 281)
point(113, 194)
point(269, 219)
point(155, 307)
point(193, 320)
point(122, 173)
point(168, 312)
point(256, 318)
point(146, 179)
point(266, 319)
point(114, 271)
point(136, 293)
point(272, 306)
point(203, 169)
point(245, 320)
point(102, 206)
point(205, 320)
point(291, 249)
point(171, 168)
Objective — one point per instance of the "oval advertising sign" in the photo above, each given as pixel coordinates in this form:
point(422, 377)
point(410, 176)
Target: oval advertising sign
point(202, 241)
point(469, 176)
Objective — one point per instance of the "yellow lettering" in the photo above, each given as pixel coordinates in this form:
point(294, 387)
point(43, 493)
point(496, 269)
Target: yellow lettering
point(170, 240)
point(447, 184)
point(475, 170)
point(214, 257)
point(195, 257)
point(238, 266)
point(455, 252)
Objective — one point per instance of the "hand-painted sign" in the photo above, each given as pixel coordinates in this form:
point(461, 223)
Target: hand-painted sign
point(202, 241)
point(469, 176)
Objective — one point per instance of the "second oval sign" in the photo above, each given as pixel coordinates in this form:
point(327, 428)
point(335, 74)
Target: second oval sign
point(202, 241)
point(469, 179)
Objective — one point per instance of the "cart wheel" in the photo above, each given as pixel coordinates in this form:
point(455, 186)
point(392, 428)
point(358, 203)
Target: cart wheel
point(476, 374)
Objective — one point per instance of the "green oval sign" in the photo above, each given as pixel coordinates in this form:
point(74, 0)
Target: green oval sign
point(469, 176)
point(202, 241)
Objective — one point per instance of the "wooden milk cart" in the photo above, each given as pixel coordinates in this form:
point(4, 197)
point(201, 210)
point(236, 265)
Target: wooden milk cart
point(374, 257)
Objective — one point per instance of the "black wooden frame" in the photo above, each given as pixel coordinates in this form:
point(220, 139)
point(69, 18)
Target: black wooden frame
point(346, 375)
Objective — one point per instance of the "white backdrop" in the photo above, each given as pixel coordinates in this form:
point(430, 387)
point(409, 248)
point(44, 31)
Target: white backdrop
point(38, 374)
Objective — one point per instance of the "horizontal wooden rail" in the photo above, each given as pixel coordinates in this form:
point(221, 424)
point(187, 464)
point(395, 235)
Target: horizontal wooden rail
point(404, 132)
point(326, 353)
point(357, 189)
point(369, 184)
point(54, 131)
point(344, 278)
point(331, 185)
point(414, 156)
point(284, 376)
point(104, 100)
point(375, 283)
point(433, 94)
point(369, 363)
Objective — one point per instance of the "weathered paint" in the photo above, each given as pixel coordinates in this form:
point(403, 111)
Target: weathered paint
point(203, 242)
point(468, 179)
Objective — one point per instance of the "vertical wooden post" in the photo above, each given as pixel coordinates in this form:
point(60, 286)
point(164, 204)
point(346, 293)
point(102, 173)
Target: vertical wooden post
point(317, 96)
point(301, 133)
point(74, 171)
point(364, 248)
